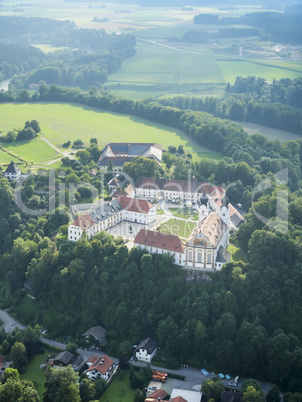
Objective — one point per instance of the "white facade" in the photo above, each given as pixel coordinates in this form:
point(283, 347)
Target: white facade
point(179, 257)
point(136, 211)
point(144, 356)
point(139, 217)
point(13, 172)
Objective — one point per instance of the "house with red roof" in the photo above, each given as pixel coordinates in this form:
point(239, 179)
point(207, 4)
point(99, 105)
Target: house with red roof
point(100, 367)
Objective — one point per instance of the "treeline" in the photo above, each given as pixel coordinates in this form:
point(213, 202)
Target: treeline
point(243, 108)
point(87, 58)
point(281, 27)
point(28, 132)
point(18, 59)
point(286, 91)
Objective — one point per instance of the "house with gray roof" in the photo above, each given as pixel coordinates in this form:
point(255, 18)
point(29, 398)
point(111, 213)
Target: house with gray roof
point(97, 332)
point(146, 350)
point(120, 153)
point(12, 172)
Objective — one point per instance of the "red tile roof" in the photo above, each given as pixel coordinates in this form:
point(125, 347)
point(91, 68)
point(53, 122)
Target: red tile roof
point(179, 399)
point(101, 364)
point(176, 185)
point(159, 393)
point(84, 221)
point(135, 204)
point(160, 240)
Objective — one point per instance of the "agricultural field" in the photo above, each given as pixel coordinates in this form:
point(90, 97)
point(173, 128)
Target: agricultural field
point(63, 122)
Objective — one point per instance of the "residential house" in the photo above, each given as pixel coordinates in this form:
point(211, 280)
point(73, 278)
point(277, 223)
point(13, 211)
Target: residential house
point(100, 367)
point(63, 359)
point(146, 350)
point(181, 395)
point(97, 332)
point(156, 396)
point(161, 243)
point(120, 153)
point(12, 172)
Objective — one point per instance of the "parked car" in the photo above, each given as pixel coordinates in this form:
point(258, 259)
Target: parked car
point(232, 384)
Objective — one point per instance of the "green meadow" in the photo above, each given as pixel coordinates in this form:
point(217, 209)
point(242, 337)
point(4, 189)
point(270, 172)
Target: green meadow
point(63, 122)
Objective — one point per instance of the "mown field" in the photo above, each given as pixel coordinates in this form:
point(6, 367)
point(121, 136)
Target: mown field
point(63, 122)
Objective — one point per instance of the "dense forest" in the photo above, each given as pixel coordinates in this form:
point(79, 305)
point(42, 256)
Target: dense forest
point(279, 27)
point(84, 57)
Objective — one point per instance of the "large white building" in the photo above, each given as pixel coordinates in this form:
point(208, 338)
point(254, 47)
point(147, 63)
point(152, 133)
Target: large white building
point(109, 215)
point(100, 367)
point(187, 192)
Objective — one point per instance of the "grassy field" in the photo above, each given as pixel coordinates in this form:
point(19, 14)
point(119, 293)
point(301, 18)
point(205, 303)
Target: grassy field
point(233, 68)
point(63, 122)
point(35, 373)
point(178, 227)
point(5, 157)
point(270, 133)
point(35, 150)
point(119, 390)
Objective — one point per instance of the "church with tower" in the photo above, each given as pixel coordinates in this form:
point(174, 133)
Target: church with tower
point(206, 247)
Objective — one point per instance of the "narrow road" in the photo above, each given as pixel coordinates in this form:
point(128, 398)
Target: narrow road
point(57, 149)
point(9, 322)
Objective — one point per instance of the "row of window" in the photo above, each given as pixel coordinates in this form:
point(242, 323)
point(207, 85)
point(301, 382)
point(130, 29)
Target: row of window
point(200, 256)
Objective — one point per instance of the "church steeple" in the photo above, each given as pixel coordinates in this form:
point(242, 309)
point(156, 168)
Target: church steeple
point(225, 210)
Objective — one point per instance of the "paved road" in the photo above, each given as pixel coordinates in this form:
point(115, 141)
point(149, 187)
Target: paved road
point(9, 322)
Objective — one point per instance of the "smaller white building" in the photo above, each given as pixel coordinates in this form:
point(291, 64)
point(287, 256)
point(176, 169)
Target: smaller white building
point(100, 367)
point(13, 172)
point(146, 350)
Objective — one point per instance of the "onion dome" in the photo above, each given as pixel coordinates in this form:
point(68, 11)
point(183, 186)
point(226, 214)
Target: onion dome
point(203, 200)
point(225, 202)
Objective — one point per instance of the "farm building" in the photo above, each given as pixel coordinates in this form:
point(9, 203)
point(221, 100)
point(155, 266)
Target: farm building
point(120, 153)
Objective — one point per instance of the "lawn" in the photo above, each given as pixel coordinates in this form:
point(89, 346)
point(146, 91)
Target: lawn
point(35, 373)
point(184, 213)
point(35, 150)
point(178, 227)
point(5, 157)
point(119, 390)
point(63, 122)
point(236, 253)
